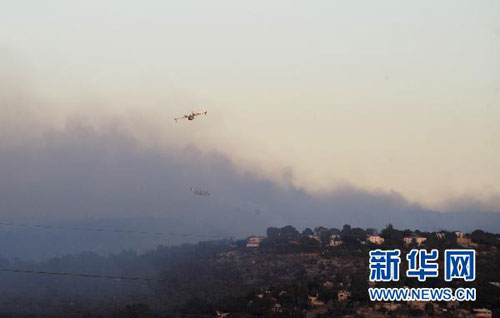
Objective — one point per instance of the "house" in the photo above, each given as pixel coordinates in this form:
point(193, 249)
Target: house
point(277, 308)
point(463, 240)
point(482, 313)
point(315, 302)
point(387, 306)
point(315, 237)
point(375, 239)
point(328, 284)
point(440, 235)
point(221, 314)
point(335, 243)
point(335, 240)
point(254, 241)
point(414, 239)
point(343, 295)
point(419, 240)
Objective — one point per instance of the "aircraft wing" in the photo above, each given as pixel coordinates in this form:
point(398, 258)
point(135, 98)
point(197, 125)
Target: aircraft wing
point(200, 113)
point(177, 118)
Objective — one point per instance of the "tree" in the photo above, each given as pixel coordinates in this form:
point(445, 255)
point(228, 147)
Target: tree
point(273, 233)
point(429, 309)
point(358, 233)
point(407, 233)
point(289, 232)
point(325, 237)
point(319, 229)
point(307, 232)
point(334, 230)
point(309, 244)
point(481, 237)
point(392, 237)
point(346, 229)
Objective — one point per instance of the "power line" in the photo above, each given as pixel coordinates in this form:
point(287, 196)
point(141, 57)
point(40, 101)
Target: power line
point(11, 270)
point(57, 227)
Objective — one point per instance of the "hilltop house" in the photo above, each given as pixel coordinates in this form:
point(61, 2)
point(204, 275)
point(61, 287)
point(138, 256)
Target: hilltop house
point(463, 240)
point(315, 237)
point(414, 239)
point(254, 241)
point(375, 239)
point(335, 240)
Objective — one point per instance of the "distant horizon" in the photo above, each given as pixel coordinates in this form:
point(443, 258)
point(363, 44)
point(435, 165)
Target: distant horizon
point(144, 234)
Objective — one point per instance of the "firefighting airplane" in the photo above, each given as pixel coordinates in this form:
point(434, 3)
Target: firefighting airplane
point(191, 116)
point(199, 192)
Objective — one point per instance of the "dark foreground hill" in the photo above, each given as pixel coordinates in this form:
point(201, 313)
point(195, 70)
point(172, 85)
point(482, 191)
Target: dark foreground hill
point(289, 274)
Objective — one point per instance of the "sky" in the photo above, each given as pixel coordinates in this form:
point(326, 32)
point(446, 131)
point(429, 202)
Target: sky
point(385, 97)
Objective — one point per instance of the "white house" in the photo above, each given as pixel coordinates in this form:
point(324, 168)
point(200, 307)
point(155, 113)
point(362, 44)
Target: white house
point(375, 239)
point(254, 241)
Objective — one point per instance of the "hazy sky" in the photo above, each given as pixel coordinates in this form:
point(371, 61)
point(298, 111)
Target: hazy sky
point(382, 95)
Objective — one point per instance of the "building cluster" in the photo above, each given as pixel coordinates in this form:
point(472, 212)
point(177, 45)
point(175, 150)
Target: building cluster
point(378, 309)
point(335, 291)
point(317, 306)
point(413, 239)
point(335, 240)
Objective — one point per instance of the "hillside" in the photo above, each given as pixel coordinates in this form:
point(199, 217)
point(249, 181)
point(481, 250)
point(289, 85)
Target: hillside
point(287, 274)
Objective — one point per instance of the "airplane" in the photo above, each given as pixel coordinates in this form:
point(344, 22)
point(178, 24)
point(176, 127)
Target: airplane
point(199, 192)
point(191, 116)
